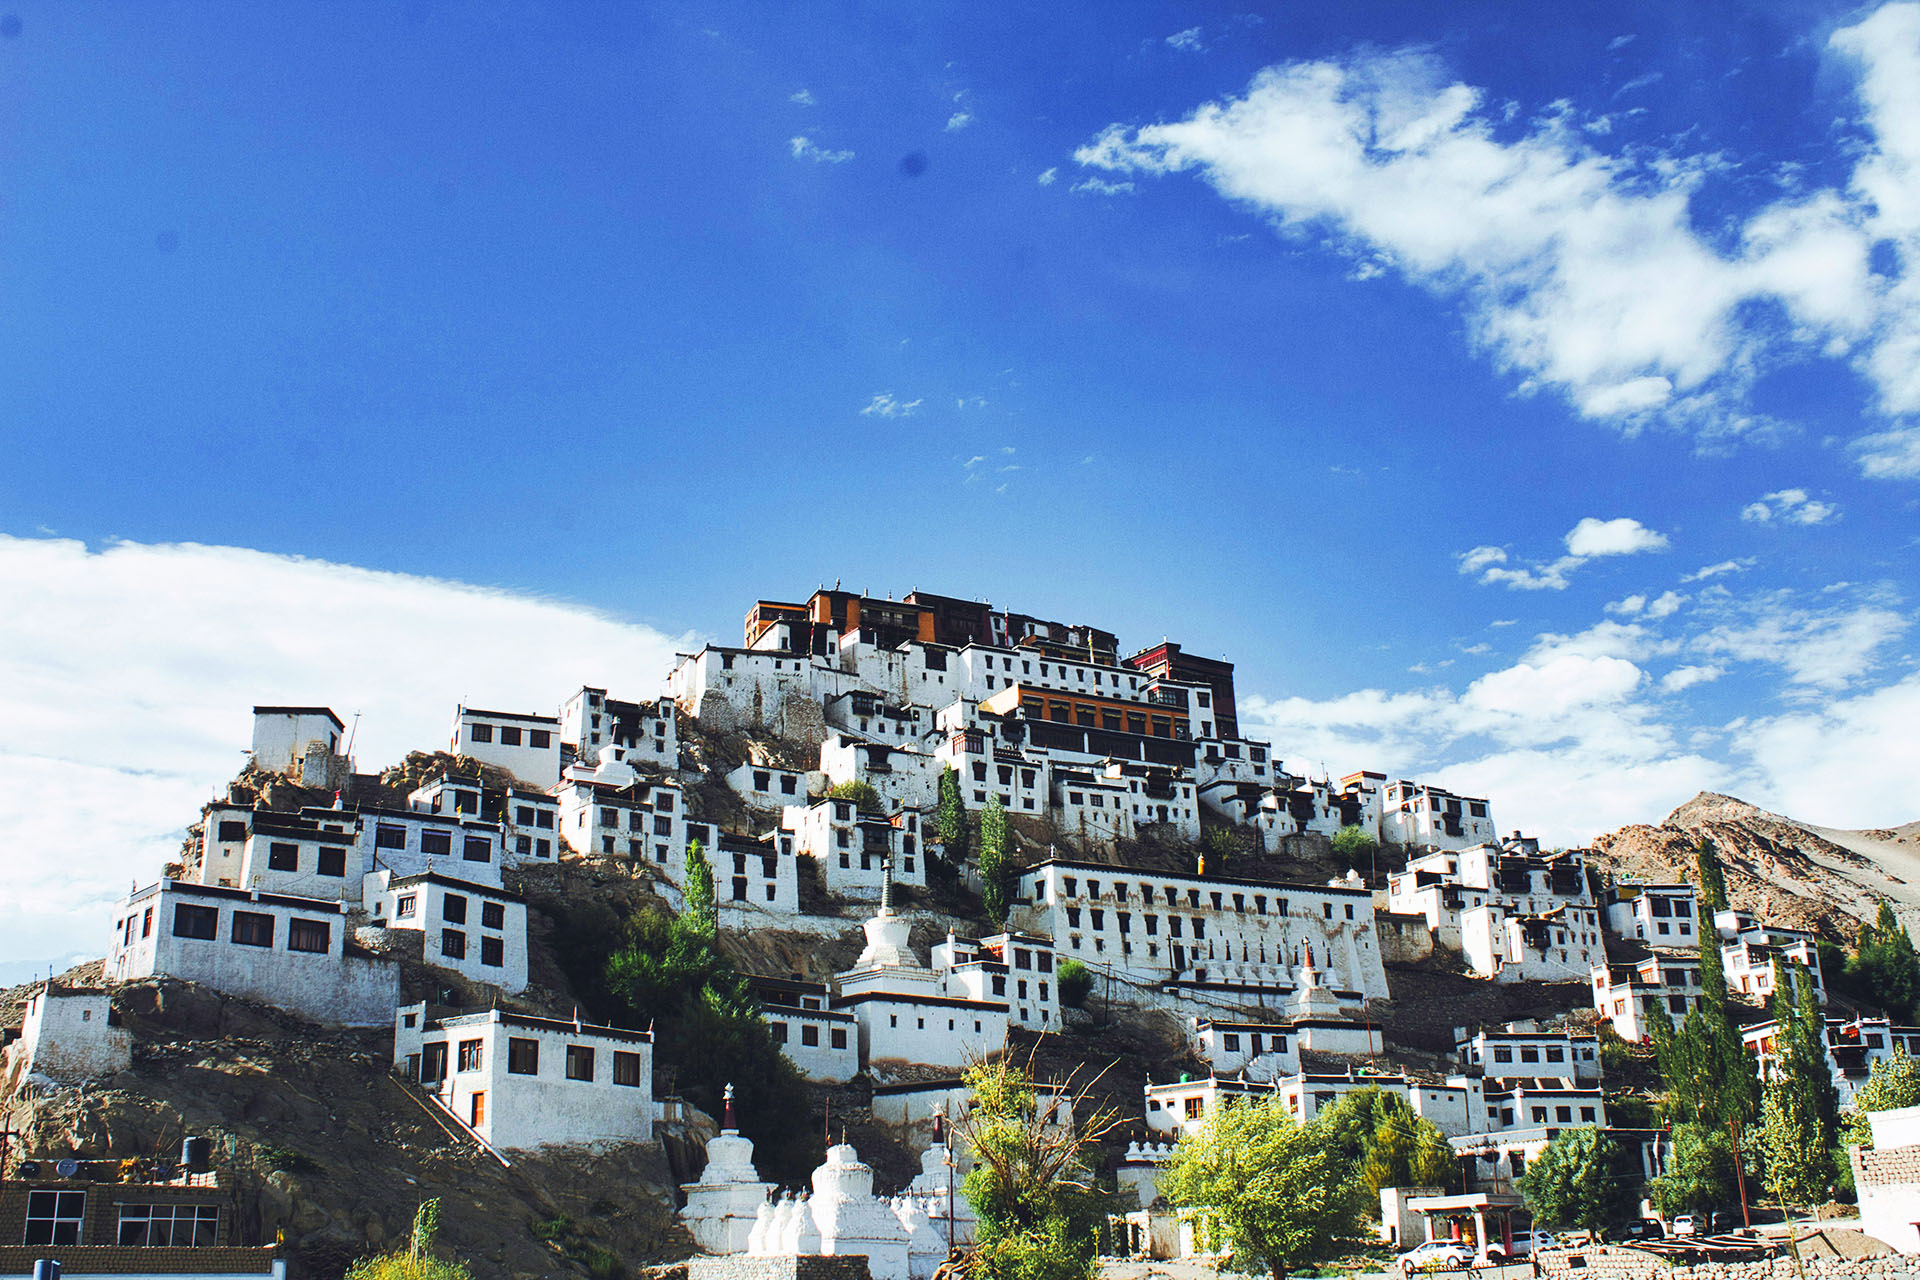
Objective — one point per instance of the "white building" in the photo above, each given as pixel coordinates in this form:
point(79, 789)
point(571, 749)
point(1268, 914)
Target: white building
point(529, 819)
point(1852, 1047)
point(410, 841)
point(1752, 951)
point(313, 854)
point(903, 776)
point(609, 811)
point(278, 950)
point(1422, 816)
point(521, 1082)
point(1560, 944)
point(1014, 970)
point(1631, 995)
point(1185, 1106)
point(904, 1009)
point(1526, 1049)
point(854, 847)
point(1660, 915)
point(527, 746)
point(822, 1043)
point(1223, 938)
point(648, 731)
point(283, 736)
point(478, 931)
point(752, 879)
point(67, 1035)
point(769, 786)
point(1513, 875)
point(1887, 1177)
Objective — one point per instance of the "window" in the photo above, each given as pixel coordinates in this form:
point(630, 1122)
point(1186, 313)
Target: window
point(509, 735)
point(539, 739)
point(1196, 1107)
point(1563, 1114)
point(480, 733)
point(779, 1030)
point(810, 1036)
point(190, 921)
point(477, 849)
point(523, 1057)
point(493, 915)
point(453, 944)
point(53, 1217)
point(232, 832)
point(405, 905)
point(309, 935)
point(252, 929)
point(493, 952)
point(146, 923)
point(579, 1062)
point(663, 826)
point(626, 1069)
point(169, 1225)
point(1231, 1042)
point(434, 842)
point(1539, 1115)
point(283, 857)
point(453, 909)
point(386, 836)
point(470, 1055)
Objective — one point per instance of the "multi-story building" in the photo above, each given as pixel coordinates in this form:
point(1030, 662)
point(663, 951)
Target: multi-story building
point(1750, 952)
point(1527, 1049)
point(529, 819)
point(821, 1042)
point(855, 847)
point(1631, 994)
point(1421, 816)
point(1852, 1045)
point(527, 746)
point(1664, 916)
point(478, 931)
point(648, 732)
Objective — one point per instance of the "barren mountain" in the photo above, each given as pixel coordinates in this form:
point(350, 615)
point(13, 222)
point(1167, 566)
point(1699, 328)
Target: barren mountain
point(1791, 873)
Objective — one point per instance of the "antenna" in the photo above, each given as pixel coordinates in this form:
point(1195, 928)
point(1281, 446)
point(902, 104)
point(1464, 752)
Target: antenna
point(352, 734)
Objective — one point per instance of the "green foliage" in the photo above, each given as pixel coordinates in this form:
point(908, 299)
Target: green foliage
point(1580, 1180)
point(1707, 1069)
point(950, 822)
point(996, 870)
point(1286, 1193)
point(1799, 1114)
point(1219, 843)
point(861, 793)
point(1884, 968)
point(1893, 1082)
point(1378, 1135)
point(671, 976)
point(1354, 843)
point(1615, 1052)
point(1709, 882)
point(702, 906)
point(1075, 982)
point(1040, 1211)
point(417, 1261)
point(1700, 1173)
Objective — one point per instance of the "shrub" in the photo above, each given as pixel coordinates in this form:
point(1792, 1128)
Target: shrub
point(1075, 981)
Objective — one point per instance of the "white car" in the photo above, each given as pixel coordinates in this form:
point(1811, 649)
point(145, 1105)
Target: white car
point(1435, 1253)
point(1684, 1225)
point(1524, 1243)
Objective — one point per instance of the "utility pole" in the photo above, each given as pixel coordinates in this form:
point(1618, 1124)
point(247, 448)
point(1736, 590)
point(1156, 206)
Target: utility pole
point(940, 1137)
point(1739, 1173)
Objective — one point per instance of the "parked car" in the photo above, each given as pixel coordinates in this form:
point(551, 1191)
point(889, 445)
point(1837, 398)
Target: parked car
point(1722, 1221)
point(1685, 1225)
point(1435, 1253)
point(1523, 1243)
point(1639, 1229)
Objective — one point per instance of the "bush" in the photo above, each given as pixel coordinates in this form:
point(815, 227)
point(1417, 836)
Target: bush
point(1075, 981)
point(861, 793)
point(1355, 843)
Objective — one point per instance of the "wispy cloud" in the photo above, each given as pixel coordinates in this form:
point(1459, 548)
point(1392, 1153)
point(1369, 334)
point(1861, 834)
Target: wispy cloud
point(1048, 176)
point(958, 121)
point(1590, 539)
point(884, 405)
point(1101, 187)
point(804, 148)
point(1187, 41)
point(802, 97)
point(1716, 570)
point(1788, 506)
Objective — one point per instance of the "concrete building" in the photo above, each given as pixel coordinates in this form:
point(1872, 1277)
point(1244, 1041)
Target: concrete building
point(478, 931)
point(648, 732)
point(1527, 1049)
point(527, 746)
point(529, 819)
point(1658, 915)
point(67, 1035)
point(1852, 1047)
point(609, 811)
point(1630, 994)
point(521, 1082)
point(1887, 1177)
point(279, 950)
point(1427, 817)
point(1560, 944)
point(854, 847)
point(283, 736)
point(821, 1042)
point(906, 1011)
point(1750, 952)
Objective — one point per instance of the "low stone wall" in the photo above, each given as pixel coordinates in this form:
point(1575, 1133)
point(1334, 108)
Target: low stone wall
point(1404, 939)
point(739, 1266)
point(1638, 1263)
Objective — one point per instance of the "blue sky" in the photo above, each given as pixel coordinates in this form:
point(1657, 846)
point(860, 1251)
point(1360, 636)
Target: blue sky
point(1418, 358)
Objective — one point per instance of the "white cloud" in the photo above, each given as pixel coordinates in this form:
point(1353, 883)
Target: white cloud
point(1820, 648)
point(114, 731)
point(1686, 677)
point(803, 148)
point(1101, 187)
point(883, 405)
point(1187, 41)
point(1848, 763)
point(1666, 605)
point(1789, 506)
point(1624, 536)
point(1580, 271)
point(958, 121)
point(1628, 607)
point(1889, 455)
point(1715, 570)
point(1048, 176)
point(801, 97)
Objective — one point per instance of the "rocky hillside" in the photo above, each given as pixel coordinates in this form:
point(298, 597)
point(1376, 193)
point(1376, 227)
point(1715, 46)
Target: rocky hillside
point(1789, 872)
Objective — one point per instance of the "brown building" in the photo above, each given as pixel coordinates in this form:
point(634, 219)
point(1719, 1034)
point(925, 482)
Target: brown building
point(87, 1217)
point(922, 616)
point(1167, 660)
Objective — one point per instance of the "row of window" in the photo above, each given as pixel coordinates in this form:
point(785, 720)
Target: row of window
point(523, 1059)
point(809, 1035)
point(453, 946)
point(1070, 887)
point(57, 1217)
point(284, 856)
point(636, 818)
point(433, 841)
point(510, 735)
point(248, 928)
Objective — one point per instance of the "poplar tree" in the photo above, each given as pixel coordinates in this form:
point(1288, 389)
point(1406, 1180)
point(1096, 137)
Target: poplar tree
point(1885, 967)
point(1710, 884)
point(994, 894)
point(1801, 1108)
point(702, 907)
point(950, 823)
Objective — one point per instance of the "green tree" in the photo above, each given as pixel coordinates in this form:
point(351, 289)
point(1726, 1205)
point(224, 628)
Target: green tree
point(1884, 967)
point(1354, 844)
point(1387, 1145)
point(1284, 1191)
point(1709, 881)
point(1700, 1174)
point(861, 793)
point(1578, 1181)
point(1075, 983)
point(702, 907)
point(417, 1261)
point(995, 871)
point(1031, 1185)
point(1892, 1083)
point(668, 975)
point(950, 822)
point(1799, 1112)
point(1708, 1072)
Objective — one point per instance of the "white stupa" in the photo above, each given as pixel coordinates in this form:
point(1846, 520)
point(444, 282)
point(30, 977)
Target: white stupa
point(725, 1204)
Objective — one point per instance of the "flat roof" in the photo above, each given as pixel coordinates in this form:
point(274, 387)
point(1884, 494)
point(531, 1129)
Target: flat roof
point(1116, 869)
point(451, 882)
point(539, 1024)
point(301, 711)
point(509, 715)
